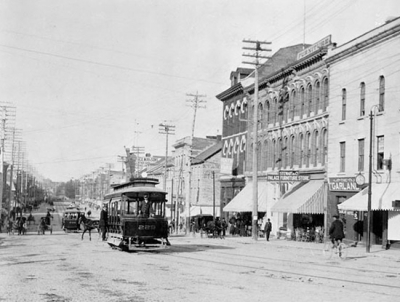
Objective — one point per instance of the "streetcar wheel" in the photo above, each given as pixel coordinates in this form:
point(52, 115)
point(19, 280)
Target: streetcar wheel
point(327, 250)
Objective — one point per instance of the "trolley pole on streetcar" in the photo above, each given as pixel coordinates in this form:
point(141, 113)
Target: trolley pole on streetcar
point(257, 56)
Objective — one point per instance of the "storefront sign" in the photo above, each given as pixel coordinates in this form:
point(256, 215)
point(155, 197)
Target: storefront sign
point(315, 47)
point(343, 184)
point(288, 176)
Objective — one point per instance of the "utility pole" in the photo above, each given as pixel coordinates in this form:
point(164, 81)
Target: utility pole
point(166, 129)
point(257, 55)
point(195, 103)
point(8, 114)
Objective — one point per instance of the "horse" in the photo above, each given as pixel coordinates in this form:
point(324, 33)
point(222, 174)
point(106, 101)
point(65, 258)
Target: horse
point(89, 225)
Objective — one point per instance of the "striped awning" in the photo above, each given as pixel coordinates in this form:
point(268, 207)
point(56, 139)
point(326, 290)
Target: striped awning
point(305, 198)
point(243, 201)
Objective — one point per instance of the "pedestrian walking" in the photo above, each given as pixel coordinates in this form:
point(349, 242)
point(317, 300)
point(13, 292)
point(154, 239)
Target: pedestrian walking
point(224, 226)
point(268, 229)
point(103, 222)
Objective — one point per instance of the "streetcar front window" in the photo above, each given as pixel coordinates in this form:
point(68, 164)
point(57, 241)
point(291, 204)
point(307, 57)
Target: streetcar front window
point(133, 207)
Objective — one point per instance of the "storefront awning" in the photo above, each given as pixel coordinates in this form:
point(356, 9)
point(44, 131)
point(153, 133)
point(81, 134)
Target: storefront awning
point(202, 210)
point(243, 202)
point(382, 198)
point(305, 198)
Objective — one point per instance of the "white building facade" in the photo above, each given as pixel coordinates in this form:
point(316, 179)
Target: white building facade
point(364, 102)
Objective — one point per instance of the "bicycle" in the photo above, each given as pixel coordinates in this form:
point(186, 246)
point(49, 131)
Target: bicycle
point(338, 248)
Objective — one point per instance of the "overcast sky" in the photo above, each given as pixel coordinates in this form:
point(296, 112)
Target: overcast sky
point(90, 77)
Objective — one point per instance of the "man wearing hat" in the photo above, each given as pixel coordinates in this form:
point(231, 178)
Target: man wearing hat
point(336, 230)
point(103, 222)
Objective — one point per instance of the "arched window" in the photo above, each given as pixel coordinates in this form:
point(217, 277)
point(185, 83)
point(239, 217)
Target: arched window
point(274, 152)
point(362, 99)
point(279, 153)
point(315, 151)
point(260, 116)
point(250, 157)
point(302, 102)
point(317, 96)
point(268, 109)
point(276, 111)
point(292, 153)
point(309, 100)
point(271, 150)
point(293, 103)
point(285, 151)
point(265, 156)
point(307, 148)
point(325, 94)
point(285, 107)
point(381, 93)
point(259, 162)
point(324, 146)
point(301, 148)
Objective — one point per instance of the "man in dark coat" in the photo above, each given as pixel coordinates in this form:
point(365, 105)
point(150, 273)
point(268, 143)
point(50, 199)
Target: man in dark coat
point(103, 222)
point(268, 229)
point(336, 232)
point(146, 206)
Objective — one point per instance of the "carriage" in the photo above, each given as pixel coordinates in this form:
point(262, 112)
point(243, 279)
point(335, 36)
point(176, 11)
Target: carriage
point(44, 225)
point(71, 219)
point(134, 224)
point(19, 226)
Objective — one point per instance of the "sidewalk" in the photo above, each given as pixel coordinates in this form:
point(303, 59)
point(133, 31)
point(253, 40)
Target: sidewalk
point(358, 251)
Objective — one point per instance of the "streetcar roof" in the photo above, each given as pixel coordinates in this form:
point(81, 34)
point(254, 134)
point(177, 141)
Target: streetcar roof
point(74, 211)
point(128, 190)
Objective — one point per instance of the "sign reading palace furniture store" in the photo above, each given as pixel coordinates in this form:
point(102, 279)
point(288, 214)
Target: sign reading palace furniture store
point(287, 176)
point(315, 47)
point(343, 184)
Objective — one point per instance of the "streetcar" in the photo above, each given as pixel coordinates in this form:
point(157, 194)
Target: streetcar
point(70, 219)
point(136, 216)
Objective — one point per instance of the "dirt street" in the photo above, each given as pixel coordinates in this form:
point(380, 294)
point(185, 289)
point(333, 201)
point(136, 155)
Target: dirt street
point(62, 267)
